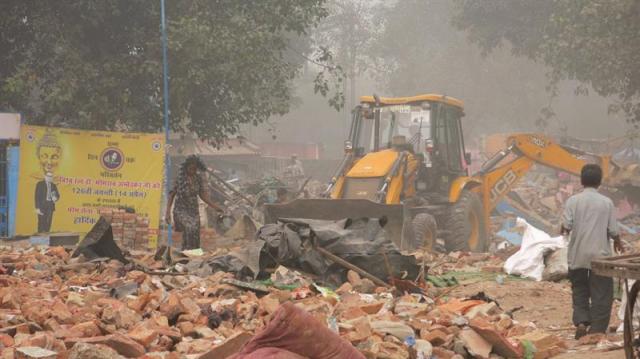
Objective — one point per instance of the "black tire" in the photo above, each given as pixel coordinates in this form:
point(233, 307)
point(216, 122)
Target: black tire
point(424, 231)
point(465, 221)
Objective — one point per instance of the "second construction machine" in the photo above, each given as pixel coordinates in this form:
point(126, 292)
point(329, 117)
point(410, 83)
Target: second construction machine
point(405, 160)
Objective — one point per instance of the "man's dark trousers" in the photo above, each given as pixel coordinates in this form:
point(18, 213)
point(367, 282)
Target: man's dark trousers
point(44, 221)
point(592, 299)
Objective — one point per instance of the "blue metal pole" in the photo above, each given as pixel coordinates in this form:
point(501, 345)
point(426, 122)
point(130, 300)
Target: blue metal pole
point(165, 80)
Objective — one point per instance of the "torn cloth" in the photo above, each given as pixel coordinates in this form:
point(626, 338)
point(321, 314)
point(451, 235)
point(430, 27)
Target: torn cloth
point(293, 333)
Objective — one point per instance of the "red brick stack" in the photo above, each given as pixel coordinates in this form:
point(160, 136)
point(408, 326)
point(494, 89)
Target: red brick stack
point(141, 240)
point(130, 230)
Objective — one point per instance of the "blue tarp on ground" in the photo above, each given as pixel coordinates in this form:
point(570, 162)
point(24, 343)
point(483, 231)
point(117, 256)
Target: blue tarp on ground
point(13, 158)
point(505, 208)
point(506, 232)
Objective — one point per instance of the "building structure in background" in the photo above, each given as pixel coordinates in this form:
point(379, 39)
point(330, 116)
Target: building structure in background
point(9, 158)
point(304, 151)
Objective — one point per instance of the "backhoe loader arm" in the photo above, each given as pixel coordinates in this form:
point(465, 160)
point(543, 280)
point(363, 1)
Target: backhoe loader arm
point(497, 180)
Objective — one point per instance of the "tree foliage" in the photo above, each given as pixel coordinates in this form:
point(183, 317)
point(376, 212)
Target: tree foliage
point(348, 32)
point(97, 64)
point(596, 42)
point(419, 51)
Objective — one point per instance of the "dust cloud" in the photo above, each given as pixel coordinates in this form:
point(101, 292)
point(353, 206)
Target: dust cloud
point(400, 53)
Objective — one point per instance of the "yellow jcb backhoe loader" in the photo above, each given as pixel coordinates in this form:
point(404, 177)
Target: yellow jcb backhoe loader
point(405, 161)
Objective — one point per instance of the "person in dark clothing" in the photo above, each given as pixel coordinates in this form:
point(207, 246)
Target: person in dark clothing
point(189, 186)
point(590, 219)
point(46, 196)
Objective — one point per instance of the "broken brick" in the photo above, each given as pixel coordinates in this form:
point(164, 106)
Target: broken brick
point(485, 309)
point(475, 344)
point(501, 345)
point(194, 346)
point(163, 344)
point(229, 347)
point(353, 313)
point(120, 343)
point(6, 341)
point(442, 353)
point(86, 350)
point(186, 328)
point(269, 303)
point(85, 330)
point(459, 306)
point(346, 287)
point(143, 334)
point(436, 337)
point(35, 353)
point(361, 330)
point(504, 324)
point(372, 308)
point(546, 344)
point(61, 312)
point(353, 278)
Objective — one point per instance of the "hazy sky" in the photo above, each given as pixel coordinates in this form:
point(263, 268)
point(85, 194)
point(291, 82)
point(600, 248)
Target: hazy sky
point(502, 93)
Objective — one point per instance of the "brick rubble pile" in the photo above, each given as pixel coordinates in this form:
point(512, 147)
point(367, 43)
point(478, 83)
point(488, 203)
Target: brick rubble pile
point(55, 306)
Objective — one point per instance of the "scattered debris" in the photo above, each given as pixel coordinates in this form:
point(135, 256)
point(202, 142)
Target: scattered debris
point(99, 243)
point(342, 281)
point(103, 308)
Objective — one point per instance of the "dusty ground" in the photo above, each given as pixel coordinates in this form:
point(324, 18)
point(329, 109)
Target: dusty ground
point(546, 304)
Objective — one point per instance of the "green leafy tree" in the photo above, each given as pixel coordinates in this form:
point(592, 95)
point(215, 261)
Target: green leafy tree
point(96, 64)
point(348, 32)
point(596, 42)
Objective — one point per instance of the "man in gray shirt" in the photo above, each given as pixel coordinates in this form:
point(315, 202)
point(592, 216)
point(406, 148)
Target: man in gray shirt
point(590, 219)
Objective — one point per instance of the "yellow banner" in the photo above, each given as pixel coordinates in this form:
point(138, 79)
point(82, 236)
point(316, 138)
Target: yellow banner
point(68, 176)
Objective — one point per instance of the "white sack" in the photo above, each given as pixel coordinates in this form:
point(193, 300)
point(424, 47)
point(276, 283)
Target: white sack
point(529, 260)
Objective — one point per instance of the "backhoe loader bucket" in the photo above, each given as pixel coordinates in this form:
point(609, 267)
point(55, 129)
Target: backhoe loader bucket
point(336, 209)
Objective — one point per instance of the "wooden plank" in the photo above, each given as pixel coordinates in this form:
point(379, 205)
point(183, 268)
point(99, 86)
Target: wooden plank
point(615, 258)
point(617, 273)
point(334, 258)
point(625, 265)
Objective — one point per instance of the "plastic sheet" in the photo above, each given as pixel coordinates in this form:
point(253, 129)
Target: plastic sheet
point(245, 263)
point(99, 243)
point(292, 244)
point(361, 242)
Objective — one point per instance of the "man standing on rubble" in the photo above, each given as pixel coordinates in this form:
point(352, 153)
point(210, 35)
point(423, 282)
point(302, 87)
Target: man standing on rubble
point(294, 172)
point(590, 219)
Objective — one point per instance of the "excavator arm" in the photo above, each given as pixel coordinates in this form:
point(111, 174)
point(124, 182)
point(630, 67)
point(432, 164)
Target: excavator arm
point(498, 179)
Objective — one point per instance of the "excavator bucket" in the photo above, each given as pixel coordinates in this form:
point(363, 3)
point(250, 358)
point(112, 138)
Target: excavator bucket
point(336, 209)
